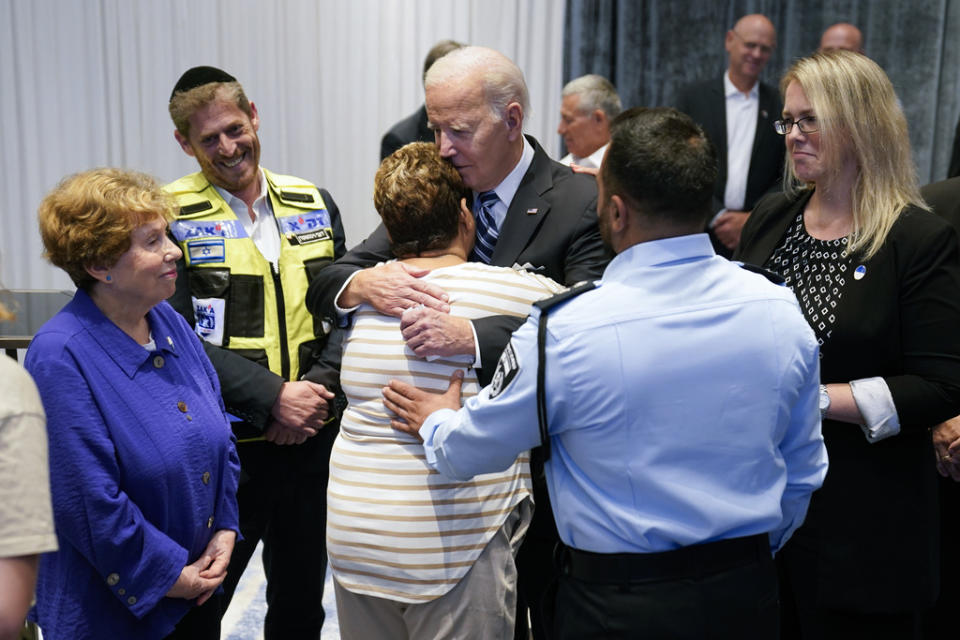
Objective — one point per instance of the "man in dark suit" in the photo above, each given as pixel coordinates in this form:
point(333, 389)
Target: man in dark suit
point(414, 127)
point(737, 113)
point(944, 198)
point(531, 212)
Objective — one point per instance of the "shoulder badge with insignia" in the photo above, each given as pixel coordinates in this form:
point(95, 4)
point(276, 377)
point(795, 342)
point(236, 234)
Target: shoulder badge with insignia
point(507, 368)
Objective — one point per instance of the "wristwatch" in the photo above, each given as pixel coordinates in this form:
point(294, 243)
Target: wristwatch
point(824, 401)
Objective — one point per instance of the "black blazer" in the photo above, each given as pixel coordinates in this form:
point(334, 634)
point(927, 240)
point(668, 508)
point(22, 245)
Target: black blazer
point(944, 198)
point(551, 224)
point(873, 524)
point(705, 103)
point(954, 169)
point(413, 128)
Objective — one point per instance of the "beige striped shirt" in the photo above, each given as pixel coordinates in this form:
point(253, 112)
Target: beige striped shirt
point(395, 528)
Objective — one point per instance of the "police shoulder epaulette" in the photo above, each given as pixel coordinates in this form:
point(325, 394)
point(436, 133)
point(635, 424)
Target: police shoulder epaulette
point(775, 278)
point(548, 303)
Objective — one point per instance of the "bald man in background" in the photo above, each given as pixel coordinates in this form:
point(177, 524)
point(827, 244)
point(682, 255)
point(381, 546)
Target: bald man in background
point(737, 113)
point(842, 35)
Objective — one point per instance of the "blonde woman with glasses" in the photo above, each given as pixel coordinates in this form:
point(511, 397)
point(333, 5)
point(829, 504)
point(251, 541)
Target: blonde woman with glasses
point(877, 277)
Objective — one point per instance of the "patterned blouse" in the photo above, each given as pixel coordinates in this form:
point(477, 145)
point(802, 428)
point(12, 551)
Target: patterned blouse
point(817, 271)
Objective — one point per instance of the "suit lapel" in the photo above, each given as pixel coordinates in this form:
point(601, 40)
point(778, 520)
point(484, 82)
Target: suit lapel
point(526, 211)
point(719, 116)
point(766, 114)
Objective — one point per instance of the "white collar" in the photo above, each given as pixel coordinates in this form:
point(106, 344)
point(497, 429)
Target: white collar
point(508, 187)
point(729, 90)
point(236, 203)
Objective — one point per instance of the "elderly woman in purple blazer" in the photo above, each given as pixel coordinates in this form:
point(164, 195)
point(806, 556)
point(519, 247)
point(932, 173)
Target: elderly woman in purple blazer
point(143, 469)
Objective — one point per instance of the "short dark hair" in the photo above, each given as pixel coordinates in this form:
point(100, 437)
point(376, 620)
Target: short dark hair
point(417, 194)
point(662, 163)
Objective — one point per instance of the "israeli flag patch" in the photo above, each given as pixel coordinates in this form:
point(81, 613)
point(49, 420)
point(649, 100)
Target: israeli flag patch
point(209, 314)
point(208, 250)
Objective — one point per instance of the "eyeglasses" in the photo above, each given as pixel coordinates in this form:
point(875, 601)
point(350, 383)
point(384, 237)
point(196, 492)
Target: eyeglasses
point(762, 48)
point(807, 124)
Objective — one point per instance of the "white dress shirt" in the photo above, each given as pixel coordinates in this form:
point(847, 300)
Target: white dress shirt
point(741, 110)
point(592, 161)
point(263, 228)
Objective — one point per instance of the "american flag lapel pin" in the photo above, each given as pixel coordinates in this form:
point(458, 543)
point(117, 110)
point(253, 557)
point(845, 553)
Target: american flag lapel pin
point(532, 212)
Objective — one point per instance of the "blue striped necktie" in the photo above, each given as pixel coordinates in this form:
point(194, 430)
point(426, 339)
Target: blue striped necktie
point(487, 231)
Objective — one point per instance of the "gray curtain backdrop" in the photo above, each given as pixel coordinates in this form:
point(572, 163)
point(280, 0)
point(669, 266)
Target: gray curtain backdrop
point(649, 49)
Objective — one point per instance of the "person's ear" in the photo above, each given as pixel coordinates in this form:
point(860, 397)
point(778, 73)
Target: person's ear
point(99, 273)
point(254, 118)
point(183, 142)
point(513, 118)
point(467, 223)
point(618, 214)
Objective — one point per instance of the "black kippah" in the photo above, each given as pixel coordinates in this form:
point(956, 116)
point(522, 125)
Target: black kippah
point(198, 76)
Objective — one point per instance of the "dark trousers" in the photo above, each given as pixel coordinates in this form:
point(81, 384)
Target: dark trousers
point(803, 618)
point(283, 502)
point(718, 590)
point(536, 570)
point(941, 620)
point(200, 623)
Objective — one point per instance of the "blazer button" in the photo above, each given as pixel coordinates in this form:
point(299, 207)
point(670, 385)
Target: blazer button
point(182, 406)
point(205, 477)
point(158, 362)
point(121, 591)
point(209, 522)
point(131, 600)
point(113, 579)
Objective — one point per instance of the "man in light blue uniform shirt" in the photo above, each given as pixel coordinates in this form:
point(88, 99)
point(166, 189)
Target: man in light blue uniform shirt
point(681, 399)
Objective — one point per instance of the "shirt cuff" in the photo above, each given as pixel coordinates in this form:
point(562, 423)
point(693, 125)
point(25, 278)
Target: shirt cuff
point(477, 363)
point(343, 315)
point(429, 428)
point(875, 403)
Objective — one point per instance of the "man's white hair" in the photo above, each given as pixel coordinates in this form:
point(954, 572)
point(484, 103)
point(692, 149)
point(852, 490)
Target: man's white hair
point(502, 80)
point(596, 92)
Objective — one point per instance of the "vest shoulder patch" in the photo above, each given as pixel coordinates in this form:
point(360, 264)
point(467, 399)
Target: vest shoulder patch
point(196, 207)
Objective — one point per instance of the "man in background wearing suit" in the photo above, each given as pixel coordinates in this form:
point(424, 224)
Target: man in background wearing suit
point(944, 198)
point(590, 103)
point(531, 212)
point(414, 127)
point(737, 114)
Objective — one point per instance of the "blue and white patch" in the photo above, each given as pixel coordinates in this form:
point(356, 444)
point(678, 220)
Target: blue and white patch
point(304, 222)
point(209, 314)
point(201, 251)
point(184, 230)
point(507, 368)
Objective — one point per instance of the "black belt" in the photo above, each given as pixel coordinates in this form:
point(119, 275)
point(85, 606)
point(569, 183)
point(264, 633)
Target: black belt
point(685, 562)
